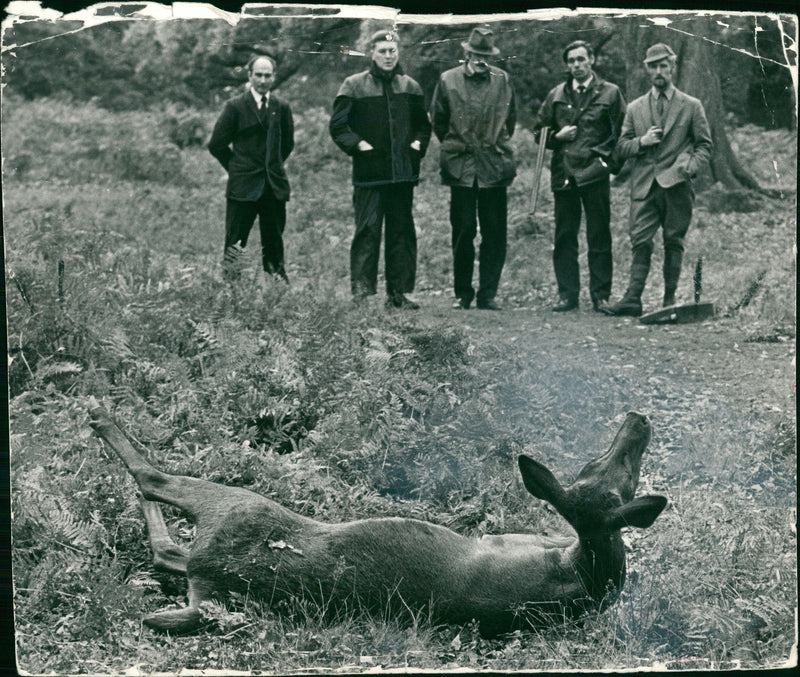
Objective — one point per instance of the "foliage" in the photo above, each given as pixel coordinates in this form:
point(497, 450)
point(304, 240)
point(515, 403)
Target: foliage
point(199, 62)
point(342, 412)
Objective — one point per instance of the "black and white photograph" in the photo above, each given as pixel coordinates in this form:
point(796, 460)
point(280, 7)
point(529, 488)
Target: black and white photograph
point(348, 339)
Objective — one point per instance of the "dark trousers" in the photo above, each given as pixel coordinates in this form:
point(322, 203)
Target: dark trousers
point(271, 212)
point(596, 201)
point(374, 205)
point(468, 206)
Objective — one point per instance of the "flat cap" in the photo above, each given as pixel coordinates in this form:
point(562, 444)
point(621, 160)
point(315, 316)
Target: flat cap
point(657, 52)
point(384, 35)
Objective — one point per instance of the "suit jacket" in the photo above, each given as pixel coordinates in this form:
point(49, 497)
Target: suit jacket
point(684, 147)
point(251, 150)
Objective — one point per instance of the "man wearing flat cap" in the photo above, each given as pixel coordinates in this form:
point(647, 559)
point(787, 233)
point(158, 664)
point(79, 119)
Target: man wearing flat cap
point(473, 113)
point(379, 119)
point(666, 134)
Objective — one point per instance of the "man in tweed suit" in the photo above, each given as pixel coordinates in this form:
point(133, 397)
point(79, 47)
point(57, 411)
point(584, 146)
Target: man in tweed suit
point(667, 135)
point(252, 139)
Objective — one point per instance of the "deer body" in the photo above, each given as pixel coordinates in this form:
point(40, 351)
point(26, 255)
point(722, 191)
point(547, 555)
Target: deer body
point(248, 543)
point(385, 563)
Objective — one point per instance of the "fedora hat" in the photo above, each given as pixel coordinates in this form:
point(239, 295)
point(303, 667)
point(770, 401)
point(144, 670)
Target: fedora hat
point(657, 52)
point(481, 41)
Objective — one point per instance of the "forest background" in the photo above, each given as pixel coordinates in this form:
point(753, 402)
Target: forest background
point(113, 211)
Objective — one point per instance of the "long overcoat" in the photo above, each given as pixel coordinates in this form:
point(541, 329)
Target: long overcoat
point(474, 117)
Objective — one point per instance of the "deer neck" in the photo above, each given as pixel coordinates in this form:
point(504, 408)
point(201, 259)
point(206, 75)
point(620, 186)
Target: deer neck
point(600, 564)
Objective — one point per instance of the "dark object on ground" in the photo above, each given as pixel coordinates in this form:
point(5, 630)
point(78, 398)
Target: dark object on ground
point(683, 314)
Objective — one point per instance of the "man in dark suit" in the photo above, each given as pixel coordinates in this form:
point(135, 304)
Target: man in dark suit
point(585, 116)
point(252, 139)
point(667, 135)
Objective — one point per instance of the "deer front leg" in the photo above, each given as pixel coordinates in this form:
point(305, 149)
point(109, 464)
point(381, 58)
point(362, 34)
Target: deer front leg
point(167, 555)
point(188, 619)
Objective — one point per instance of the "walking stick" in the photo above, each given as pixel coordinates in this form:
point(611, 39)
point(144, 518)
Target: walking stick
point(537, 171)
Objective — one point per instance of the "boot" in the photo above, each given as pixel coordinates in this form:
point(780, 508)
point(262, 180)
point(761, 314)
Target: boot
point(399, 300)
point(672, 272)
point(631, 302)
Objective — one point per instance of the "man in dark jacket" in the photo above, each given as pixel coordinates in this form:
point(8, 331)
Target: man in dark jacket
point(584, 117)
point(379, 120)
point(473, 114)
point(252, 139)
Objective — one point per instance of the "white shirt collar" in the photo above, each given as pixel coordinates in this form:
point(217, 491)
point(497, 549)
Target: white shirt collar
point(669, 92)
point(257, 97)
point(585, 83)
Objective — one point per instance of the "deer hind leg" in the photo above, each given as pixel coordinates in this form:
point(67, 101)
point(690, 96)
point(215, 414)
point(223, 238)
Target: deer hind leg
point(193, 495)
point(167, 555)
point(188, 619)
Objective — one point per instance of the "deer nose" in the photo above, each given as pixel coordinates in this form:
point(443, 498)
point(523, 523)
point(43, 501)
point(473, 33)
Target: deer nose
point(636, 417)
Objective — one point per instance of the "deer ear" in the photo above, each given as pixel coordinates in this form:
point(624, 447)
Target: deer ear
point(640, 512)
point(540, 482)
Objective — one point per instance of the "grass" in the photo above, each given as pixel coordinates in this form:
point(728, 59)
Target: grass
point(340, 412)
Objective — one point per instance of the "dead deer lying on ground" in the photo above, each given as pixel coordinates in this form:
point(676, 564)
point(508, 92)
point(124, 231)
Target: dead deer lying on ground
point(250, 544)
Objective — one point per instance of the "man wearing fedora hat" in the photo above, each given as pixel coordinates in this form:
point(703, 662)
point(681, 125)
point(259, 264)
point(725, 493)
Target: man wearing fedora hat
point(379, 119)
point(473, 113)
point(666, 134)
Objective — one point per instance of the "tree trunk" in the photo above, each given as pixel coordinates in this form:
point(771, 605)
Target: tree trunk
point(696, 75)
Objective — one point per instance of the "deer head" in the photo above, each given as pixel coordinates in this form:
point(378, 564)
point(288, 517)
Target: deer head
point(600, 502)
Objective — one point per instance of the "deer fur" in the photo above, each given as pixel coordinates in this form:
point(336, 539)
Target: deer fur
point(250, 544)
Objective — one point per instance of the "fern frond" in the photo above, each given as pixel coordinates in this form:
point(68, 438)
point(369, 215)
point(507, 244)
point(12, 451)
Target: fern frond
point(47, 369)
point(205, 337)
point(117, 344)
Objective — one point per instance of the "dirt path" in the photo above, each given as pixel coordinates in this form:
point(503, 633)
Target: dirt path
point(719, 401)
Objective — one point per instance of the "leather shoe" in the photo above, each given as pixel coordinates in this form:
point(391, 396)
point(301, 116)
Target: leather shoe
point(669, 300)
point(462, 303)
point(488, 304)
point(400, 301)
point(625, 307)
point(565, 305)
point(599, 305)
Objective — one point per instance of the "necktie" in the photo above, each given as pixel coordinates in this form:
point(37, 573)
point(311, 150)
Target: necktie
point(581, 92)
point(262, 111)
point(660, 103)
